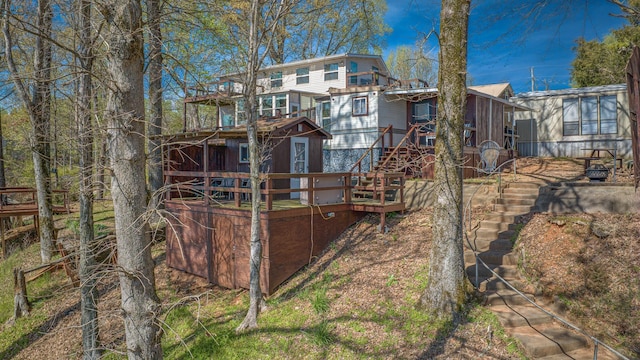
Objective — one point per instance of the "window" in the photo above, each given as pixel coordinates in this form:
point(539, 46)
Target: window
point(302, 76)
point(326, 115)
point(608, 115)
point(281, 105)
point(589, 111)
point(331, 71)
point(241, 117)
point(244, 153)
point(353, 68)
point(266, 106)
point(590, 115)
point(276, 79)
point(359, 106)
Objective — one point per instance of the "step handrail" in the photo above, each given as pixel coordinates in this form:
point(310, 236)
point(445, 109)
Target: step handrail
point(380, 139)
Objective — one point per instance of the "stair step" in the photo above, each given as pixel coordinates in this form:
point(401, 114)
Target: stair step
point(506, 297)
point(518, 194)
point(515, 209)
point(497, 284)
point(492, 257)
point(497, 225)
point(488, 244)
point(524, 185)
point(503, 217)
point(513, 201)
point(546, 340)
point(492, 234)
point(509, 271)
point(585, 353)
point(520, 315)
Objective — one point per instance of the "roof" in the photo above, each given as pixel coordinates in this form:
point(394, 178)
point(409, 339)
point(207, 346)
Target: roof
point(571, 91)
point(496, 90)
point(327, 58)
point(265, 127)
point(424, 93)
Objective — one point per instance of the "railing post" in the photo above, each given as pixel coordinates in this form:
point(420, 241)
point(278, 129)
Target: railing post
point(236, 191)
point(269, 196)
point(595, 349)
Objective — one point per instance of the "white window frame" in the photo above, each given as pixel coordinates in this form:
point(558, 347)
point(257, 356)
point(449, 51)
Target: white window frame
point(302, 75)
point(360, 106)
point(580, 111)
point(276, 79)
point(243, 153)
point(331, 71)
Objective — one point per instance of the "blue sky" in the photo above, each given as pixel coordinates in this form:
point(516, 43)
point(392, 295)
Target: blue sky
point(503, 44)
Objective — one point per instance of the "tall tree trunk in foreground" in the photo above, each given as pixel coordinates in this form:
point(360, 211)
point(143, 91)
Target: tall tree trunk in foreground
point(154, 127)
point(446, 288)
point(88, 264)
point(38, 107)
point(125, 111)
point(253, 64)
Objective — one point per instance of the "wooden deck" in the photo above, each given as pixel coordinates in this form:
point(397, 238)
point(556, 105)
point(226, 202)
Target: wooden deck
point(22, 201)
point(209, 228)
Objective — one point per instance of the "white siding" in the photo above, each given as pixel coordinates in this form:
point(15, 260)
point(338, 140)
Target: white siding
point(349, 131)
point(545, 136)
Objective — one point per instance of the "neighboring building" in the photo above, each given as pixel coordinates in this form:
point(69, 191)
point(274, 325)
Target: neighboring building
point(566, 122)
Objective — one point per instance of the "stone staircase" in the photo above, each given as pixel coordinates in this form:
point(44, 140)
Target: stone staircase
point(541, 336)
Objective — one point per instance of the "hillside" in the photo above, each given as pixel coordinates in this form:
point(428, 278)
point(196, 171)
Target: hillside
point(358, 299)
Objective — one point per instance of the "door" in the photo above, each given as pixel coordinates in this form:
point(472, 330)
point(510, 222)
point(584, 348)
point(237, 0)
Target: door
point(299, 161)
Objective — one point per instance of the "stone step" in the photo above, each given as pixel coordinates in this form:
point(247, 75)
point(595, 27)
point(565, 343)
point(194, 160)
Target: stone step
point(492, 257)
point(511, 316)
point(506, 297)
point(519, 194)
point(486, 244)
point(497, 284)
point(524, 185)
point(585, 353)
point(514, 209)
point(503, 217)
point(505, 271)
point(497, 225)
point(546, 340)
point(516, 201)
point(492, 234)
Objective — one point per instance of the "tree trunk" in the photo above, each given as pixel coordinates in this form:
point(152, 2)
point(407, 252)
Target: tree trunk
point(125, 111)
point(255, 293)
point(447, 287)
point(38, 107)
point(21, 306)
point(154, 128)
point(88, 263)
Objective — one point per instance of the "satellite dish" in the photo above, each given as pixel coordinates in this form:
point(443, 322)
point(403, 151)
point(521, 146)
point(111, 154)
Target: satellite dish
point(489, 153)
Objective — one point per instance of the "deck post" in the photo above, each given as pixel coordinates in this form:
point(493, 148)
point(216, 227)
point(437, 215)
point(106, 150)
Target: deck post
point(269, 196)
point(236, 191)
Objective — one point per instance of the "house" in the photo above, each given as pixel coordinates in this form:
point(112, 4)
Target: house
point(208, 201)
point(405, 113)
point(569, 121)
point(299, 88)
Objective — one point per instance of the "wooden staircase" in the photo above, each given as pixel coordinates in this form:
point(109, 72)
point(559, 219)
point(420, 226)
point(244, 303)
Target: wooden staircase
point(541, 336)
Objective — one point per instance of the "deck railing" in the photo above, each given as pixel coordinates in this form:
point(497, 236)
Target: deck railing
point(211, 188)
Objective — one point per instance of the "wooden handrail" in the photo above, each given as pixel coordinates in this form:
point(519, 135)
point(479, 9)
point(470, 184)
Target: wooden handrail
point(369, 151)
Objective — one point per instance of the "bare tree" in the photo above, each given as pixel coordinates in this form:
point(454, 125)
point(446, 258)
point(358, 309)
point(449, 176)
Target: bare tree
point(259, 36)
point(446, 288)
point(154, 127)
point(125, 113)
point(87, 266)
point(38, 106)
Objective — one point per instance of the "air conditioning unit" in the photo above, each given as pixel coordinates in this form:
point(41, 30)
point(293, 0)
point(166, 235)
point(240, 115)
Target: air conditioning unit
point(322, 197)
